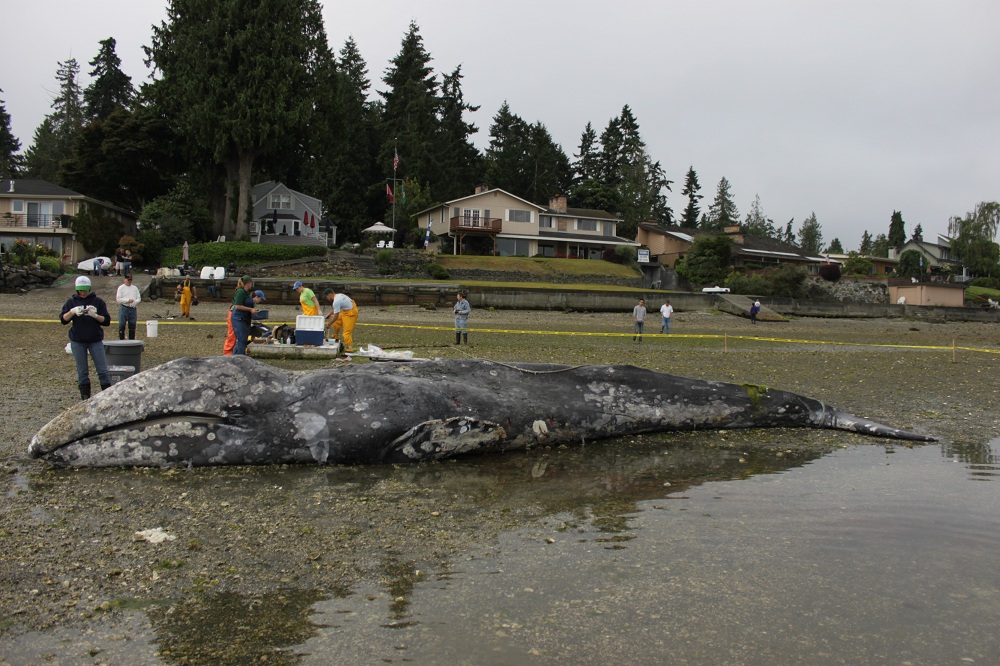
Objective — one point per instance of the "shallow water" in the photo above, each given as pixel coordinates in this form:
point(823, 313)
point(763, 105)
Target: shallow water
point(867, 555)
point(675, 554)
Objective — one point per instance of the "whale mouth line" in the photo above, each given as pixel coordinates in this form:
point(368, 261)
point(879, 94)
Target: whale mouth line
point(153, 421)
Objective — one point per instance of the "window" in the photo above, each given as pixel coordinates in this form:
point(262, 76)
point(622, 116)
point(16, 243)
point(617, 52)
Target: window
point(609, 228)
point(586, 225)
point(546, 250)
point(519, 215)
point(280, 201)
point(513, 247)
point(17, 206)
point(544, 221)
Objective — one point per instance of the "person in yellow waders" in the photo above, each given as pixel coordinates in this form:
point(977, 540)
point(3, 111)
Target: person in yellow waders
point(343, 318)
point(187, 293)
point(307, 299)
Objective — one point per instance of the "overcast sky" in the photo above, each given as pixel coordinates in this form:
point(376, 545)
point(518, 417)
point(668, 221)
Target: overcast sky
point(847, 108)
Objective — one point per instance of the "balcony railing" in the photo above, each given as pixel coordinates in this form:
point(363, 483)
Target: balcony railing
point(35, 221)
point(484, 225)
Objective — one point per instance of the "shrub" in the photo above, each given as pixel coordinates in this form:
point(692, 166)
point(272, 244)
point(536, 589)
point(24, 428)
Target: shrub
point(830, 272)
point(242, 253)
point(986, 282)
point(50, 264)
point(437, 271)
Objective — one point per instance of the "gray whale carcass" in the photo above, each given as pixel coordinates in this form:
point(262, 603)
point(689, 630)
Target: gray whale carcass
point(239, 411)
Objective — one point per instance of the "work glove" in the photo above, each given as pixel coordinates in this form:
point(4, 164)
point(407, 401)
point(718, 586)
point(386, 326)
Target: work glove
point(78, 310)
point(92, 311)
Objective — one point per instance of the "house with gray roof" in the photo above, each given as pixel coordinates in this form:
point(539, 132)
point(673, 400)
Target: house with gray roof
point(517, 227)
point(41, 212)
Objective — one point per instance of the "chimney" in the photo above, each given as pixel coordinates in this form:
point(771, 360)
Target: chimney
point(558, 203)
point(482, 187)
point(11, 186)
point(734, 233)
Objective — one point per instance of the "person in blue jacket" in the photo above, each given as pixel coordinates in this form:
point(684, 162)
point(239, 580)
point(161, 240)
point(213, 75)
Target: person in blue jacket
point(87, 315)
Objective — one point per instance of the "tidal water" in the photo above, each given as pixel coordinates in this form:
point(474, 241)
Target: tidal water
point(663, 554)
point(868, 555)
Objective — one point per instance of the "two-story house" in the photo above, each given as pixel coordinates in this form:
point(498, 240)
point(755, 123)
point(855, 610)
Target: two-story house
point(283, 216)
point(518, 227)
point(42, 213)
point(937, 255)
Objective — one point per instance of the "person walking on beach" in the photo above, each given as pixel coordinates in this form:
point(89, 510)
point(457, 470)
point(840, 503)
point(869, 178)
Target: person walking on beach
point(754, 309)
point(639, 315)
point(666, 312)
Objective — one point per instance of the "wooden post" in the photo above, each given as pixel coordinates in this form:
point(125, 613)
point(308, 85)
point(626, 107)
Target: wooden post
point(953, 357)
point(725, 344)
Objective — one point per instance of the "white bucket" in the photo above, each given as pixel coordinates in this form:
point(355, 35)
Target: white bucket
point(152, 328)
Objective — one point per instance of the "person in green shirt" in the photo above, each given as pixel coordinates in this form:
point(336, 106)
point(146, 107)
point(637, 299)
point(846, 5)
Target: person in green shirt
point(307, 299)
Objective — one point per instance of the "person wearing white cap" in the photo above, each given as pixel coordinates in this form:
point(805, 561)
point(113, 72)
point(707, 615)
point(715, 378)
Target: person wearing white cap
point(88, 314)
point(307, 299)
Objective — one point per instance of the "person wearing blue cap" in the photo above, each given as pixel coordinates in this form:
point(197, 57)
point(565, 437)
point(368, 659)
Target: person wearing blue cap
point(307, 299)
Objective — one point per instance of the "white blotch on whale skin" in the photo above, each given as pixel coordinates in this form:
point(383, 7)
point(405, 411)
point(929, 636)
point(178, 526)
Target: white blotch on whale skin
point(375, 425)
point(308, 426)
point(540, 428)
point(360, 406)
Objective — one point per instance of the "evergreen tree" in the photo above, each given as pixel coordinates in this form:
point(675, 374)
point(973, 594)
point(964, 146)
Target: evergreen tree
point(866, 244)
point(111, 88)
point(789, 234)
point(506, 153)
point(11, 163)
point(547, 167)
point(585, 166)
point(238, 79)
point(461, 164)
point(756, 224)
point(880, 246)
point(693, 208)
point(409, 116)
point(897, 230)
point(53, 142)
point(835, 247)
point(811, 235)
point(918, 233)
point(343, 171)
point(723, 212)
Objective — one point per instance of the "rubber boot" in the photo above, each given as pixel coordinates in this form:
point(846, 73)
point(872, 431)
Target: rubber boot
point(121, 333)
point(465, 338)
point(105, 387)
point(458, 338)
point(85, 391)
point(131, 333)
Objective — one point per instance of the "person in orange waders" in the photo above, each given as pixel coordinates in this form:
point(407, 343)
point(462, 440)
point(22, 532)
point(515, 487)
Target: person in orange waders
point(343, 318)
point(246, 284)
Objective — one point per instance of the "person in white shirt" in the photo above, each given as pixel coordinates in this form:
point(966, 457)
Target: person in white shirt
point(128, 298)
point(666, 311)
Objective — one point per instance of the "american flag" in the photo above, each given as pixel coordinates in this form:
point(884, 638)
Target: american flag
point(395, 160)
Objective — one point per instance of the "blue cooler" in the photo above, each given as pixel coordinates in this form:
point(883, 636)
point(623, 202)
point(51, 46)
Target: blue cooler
point(308, 337)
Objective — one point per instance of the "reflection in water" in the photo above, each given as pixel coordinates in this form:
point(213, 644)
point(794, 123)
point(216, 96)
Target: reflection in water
point(227, 628)
point(982, 459)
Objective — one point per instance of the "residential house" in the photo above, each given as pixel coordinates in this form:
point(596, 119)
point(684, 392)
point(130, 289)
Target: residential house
point(283, 216)
point(937, 255)
point(881, 266)
point(667, 245)
point(41, 212)
point(518, 227)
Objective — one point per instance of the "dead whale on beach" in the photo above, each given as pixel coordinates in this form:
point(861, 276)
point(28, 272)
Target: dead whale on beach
point(235, 410)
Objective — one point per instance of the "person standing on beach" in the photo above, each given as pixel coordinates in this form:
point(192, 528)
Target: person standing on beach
point(462, 310)
point(128, 297)
point(666, 312)
point(639, 315)
point(88, 314)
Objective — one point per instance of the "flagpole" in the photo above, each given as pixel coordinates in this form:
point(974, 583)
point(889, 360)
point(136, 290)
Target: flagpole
point(395, 165)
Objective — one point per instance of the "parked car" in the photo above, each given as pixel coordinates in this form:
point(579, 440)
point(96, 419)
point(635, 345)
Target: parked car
point(716, 290)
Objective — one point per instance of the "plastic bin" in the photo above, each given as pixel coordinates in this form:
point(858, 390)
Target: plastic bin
point(124, 352)
point(120, 372)
point(309, 323)
point(261, 315)
point(309, 337)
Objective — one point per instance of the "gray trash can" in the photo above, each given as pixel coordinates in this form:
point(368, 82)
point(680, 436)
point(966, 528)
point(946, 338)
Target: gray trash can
point(124, 352)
